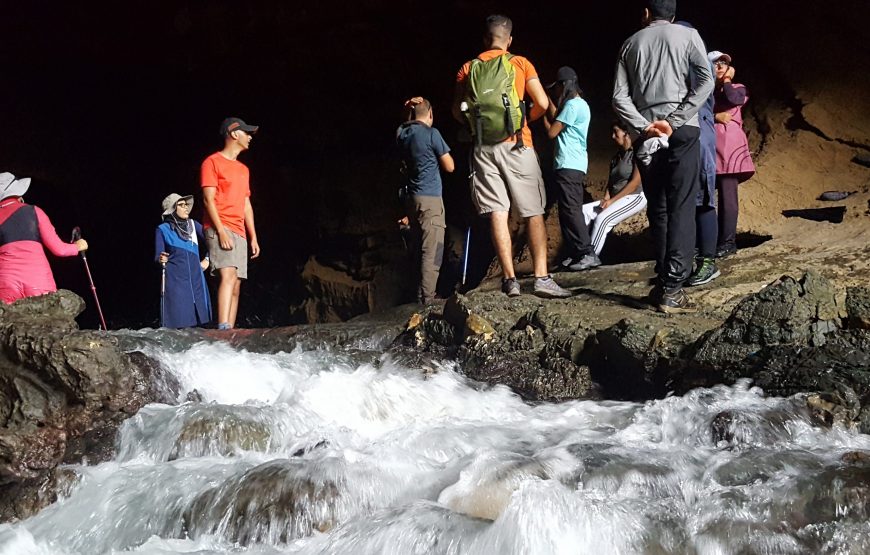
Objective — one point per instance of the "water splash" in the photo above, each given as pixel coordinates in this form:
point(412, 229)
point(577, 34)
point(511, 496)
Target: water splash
point(314, 452)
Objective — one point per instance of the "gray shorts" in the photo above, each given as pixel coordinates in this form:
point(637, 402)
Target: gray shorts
point(506, 176)
point(219, 258)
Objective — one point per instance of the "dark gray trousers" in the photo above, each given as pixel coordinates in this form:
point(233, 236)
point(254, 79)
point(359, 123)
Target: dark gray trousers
point(728, 208)
point(671, 183)
point(426, 215)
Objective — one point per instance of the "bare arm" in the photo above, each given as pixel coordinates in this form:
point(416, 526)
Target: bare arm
point(535, 91)
point(252, 231)
point(553, 129)
point(446, 163)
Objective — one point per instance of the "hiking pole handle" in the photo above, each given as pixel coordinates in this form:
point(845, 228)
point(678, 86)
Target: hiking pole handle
point(76, 234)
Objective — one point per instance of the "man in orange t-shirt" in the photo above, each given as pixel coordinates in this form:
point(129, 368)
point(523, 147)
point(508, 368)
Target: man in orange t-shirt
point(508, 174)
point(229, 217)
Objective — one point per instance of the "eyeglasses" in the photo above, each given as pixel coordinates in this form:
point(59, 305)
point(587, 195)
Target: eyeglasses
point(721, 63)
point(184, 204)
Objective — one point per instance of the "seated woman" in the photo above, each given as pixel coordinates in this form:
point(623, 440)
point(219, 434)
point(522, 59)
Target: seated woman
point(25, 232)
point(624, 197)
point(185, 301)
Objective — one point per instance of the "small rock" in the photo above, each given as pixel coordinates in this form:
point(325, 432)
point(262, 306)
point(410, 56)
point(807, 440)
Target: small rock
point(827, 412)
point(477, 325)
point(414, 321)
point(856, 457)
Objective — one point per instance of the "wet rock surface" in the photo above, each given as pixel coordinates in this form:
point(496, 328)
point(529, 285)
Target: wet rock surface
point(63, 393)
point(271, 502)
point(798, 334)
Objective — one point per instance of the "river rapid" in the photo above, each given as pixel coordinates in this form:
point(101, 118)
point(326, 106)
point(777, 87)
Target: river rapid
point(330, 452)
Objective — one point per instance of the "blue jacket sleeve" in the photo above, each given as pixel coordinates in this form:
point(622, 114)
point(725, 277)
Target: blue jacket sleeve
point(159, 244)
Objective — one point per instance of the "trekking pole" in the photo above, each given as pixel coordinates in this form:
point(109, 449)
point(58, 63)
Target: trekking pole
point(162, 291)
point(465, 254)
point(76, 235)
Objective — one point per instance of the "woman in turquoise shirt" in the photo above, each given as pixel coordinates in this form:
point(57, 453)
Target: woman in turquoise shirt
point(567, 122)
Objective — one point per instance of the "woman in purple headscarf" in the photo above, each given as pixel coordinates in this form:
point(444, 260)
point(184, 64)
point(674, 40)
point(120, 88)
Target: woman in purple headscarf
point(733, 159)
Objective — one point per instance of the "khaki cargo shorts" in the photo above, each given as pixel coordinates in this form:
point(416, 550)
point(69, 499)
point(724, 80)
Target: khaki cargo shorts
point(237, 256)
point(506, 175)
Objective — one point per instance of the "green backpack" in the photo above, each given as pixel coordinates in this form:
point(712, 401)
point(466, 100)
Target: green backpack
point(494, 109)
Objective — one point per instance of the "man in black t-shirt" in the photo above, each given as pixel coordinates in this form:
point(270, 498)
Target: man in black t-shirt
point(422, 150)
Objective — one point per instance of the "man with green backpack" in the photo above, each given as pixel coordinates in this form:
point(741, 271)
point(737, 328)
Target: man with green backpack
point(505, 170)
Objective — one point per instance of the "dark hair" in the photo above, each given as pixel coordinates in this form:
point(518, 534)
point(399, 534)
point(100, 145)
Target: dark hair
point(419, 110)
point(498, 27)
point(570, 90)
point(662, 9)
point(618, 123)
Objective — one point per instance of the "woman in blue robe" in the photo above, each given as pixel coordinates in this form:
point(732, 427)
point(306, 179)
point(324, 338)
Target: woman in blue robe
point(185, 301)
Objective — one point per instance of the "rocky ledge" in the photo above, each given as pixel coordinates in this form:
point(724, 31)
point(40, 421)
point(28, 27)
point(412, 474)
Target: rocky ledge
point(799, 334)
point(63, 394)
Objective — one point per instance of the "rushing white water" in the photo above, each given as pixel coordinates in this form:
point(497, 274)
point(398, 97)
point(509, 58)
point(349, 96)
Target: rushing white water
point(312, 453)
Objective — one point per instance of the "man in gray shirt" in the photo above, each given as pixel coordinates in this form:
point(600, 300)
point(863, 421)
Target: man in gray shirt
point(653, 95)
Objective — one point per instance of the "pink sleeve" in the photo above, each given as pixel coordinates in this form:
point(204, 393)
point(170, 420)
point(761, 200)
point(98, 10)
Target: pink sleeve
point(50, 238)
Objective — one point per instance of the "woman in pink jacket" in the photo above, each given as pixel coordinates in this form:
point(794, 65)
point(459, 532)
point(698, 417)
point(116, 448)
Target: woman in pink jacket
point(733, 159)
point(24, 229)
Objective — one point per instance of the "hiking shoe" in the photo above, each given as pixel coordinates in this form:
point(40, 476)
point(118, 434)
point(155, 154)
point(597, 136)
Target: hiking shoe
point(563, 265)
point(588, 261)
point(546, 287)
point(676, 302)
point(725, 250)
point(706, 272)
point(510, 287)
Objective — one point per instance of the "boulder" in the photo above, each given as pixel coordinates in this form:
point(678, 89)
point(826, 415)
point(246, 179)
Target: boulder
point(63, 393)
point(271, 503)
point(791, 313)
point(220, 431)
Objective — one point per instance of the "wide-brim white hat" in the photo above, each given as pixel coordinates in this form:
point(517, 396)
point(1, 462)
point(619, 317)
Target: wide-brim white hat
point(11, 187)
point(171, 200)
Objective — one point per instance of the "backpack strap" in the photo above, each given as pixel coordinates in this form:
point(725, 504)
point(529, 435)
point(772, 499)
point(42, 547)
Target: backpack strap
point(509, 120)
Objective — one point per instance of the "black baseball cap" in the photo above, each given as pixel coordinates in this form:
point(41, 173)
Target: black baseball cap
point(231, 124)
point(565, 73)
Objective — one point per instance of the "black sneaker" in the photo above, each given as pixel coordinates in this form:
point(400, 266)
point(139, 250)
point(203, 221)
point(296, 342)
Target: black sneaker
point(725, 251)
point(706, 272)
point(510, 287)
point(676, 302)
point(587, 262)
point(655, 294)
